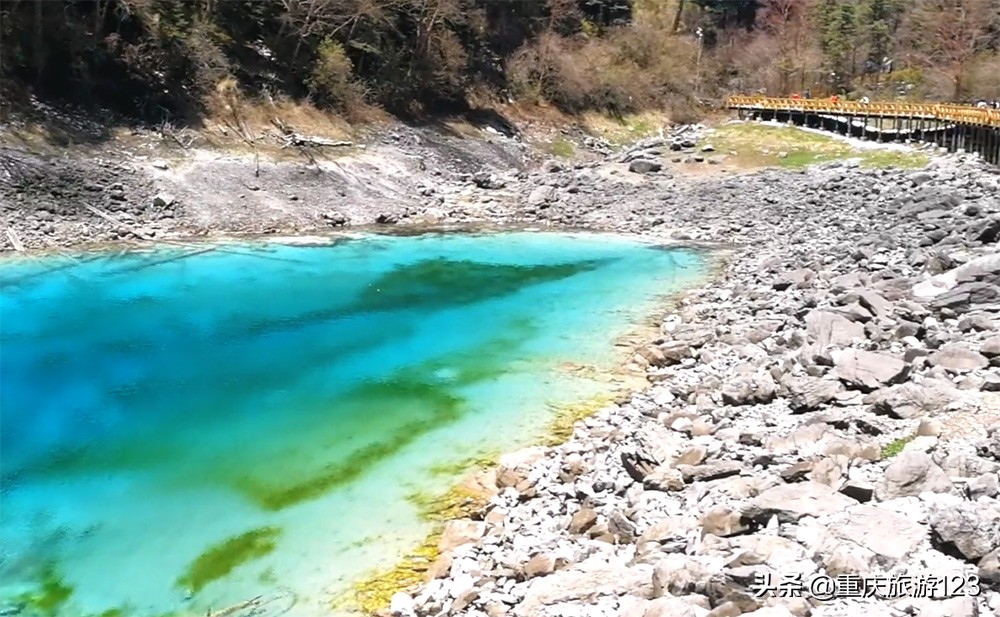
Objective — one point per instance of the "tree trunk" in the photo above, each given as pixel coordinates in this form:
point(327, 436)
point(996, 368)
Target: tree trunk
point(677, 16)
point(38, 53)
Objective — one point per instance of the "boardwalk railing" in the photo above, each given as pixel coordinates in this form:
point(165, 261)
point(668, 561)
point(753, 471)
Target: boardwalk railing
point(931, 111)
point(954, 127)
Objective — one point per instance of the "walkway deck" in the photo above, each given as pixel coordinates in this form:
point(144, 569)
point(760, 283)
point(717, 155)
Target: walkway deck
point(955, 127)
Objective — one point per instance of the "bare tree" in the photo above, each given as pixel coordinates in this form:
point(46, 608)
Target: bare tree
point(948, 36)
point(786, 22)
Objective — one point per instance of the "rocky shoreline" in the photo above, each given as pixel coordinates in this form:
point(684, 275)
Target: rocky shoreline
point(828, 406)
point(827, 410)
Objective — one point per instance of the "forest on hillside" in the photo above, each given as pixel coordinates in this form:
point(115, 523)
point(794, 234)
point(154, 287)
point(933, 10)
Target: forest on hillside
point(169, 59)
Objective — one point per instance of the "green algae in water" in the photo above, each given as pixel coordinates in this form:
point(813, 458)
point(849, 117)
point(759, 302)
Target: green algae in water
point(374, 592)
point(290, 491)
point(223, 558)
point(397, 401)
point(250, 394)
point(53, 593)
point(435, 283)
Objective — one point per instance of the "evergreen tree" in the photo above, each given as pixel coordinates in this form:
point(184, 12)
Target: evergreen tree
point(877, 18)
point(838, 35)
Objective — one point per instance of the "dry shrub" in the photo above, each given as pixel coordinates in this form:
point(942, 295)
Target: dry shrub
point(628, 70)
point(447, 63)
point(985, 81)
point(202, 47)
point(683, 109)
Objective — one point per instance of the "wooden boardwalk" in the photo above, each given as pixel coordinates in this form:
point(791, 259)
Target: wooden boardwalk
point(955, 127)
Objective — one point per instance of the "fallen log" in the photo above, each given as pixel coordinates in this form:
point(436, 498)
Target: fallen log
point(297, 139)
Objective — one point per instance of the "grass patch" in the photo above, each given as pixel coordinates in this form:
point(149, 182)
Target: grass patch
point(895, 447)
point(883, 159)
point(628, 129)
point(223, 558)
point(751, 144)
point(562, 148)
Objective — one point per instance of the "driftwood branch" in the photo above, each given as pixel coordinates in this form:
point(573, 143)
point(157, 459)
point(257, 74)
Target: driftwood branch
point(183, 137)
point(114, 221)
point(297, 139)
point(255, 602)
point(15, 241)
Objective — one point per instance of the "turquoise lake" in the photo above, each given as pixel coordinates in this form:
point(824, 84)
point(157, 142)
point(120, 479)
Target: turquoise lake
point(189, 427)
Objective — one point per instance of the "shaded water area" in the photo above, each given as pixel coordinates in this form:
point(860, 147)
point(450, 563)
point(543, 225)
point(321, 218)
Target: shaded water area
point(187, 429)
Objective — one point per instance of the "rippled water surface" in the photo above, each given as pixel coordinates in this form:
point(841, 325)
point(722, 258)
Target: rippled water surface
point(190, 427)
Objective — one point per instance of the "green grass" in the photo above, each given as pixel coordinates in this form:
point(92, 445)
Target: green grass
point(894, 448)
point(892, 158)
point(223, 558)
point(562, 148)
point(628, 129)
point(759, 145)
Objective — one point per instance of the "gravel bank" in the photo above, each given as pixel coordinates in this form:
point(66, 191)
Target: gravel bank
point(829, 407)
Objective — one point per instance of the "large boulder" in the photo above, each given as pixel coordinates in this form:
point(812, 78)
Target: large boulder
point(867, 370)
point(968, 296)
point(758, 389)
point(589, 579)
point(957, 358)
point(459, 532)
point(912, 473)
point(910, 400)
point(991, 347)
point(979, 269)
point(811, 393)
point(975, 284)
point(989, 568)
point(790, 502)
point(542, 195)
point(886, 534)
point(972, 529)
point(643, 166)
point(825, 328)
